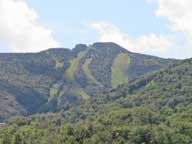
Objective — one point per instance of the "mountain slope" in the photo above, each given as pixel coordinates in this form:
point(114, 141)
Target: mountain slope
point(60, 78)
point(154, 109)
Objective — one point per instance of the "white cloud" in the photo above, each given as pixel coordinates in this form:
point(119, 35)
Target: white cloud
point(178, 12)
point(150, 44)
point(178, 44)
point(179, 16)
point(20, 29)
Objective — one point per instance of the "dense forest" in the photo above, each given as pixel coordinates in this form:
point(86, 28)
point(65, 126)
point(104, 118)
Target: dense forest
point(57, 79)
point(154, 108)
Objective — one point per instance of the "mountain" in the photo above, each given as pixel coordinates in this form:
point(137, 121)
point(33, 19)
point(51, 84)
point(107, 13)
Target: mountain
point(155, 108)
point(57, 79)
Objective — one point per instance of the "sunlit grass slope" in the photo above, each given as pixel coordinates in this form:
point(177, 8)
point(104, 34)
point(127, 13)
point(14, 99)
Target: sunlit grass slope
point(88, 72)
point(74, 65)
point(119, 69)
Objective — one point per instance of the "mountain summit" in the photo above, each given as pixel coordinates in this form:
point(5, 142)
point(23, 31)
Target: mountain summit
point(60, 78)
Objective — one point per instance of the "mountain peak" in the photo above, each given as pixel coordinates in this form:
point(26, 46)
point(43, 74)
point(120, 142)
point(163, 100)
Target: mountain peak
point(59, 78)
point(81, 47)
point(107, 45)
point(101, 46)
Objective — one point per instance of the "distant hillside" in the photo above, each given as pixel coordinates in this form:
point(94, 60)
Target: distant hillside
point(60, 78)
point(156, 108)
point(169, 88)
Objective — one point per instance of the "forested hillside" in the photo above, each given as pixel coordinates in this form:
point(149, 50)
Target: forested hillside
point(156, 108)
point(58, 79)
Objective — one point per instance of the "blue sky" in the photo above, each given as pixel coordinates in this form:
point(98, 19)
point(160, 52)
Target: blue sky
point(70, 19)
point(156, 27)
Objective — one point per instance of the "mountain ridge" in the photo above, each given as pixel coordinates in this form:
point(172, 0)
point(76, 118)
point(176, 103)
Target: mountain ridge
point(62, 78)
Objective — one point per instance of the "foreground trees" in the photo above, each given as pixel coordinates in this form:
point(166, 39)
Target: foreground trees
point(136, 126)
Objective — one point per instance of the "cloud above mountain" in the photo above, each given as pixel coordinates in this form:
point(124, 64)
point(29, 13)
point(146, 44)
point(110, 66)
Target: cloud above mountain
point(178, 14)
point(151, 43)
point(21, 30)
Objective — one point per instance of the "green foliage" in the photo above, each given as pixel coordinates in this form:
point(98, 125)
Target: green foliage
point(41, 82)
point(70, 73)
point(58, 64)
point(137, 125)
point(80, 92)
point(88, 72)
point(53, 91)
point(120, 69)
point(154, 109)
